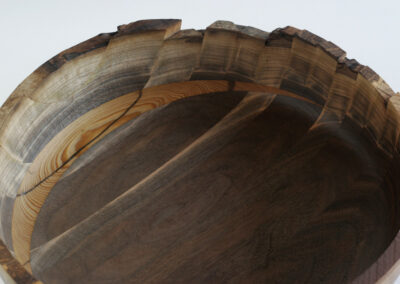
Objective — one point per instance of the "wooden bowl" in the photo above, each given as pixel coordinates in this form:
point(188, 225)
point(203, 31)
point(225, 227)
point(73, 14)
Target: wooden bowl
point(160, 155)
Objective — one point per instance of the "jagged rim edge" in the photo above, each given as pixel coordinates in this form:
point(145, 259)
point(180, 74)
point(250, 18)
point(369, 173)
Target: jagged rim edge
point(288, 33)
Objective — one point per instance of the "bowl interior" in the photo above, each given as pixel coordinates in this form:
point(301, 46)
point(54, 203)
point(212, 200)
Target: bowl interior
point(228, 187)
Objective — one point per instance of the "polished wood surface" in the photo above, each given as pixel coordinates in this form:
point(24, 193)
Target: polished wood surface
point(160, 155)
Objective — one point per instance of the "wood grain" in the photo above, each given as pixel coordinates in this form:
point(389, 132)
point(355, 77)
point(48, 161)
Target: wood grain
point(13, 269)
point(159, 155)
point(78, 137)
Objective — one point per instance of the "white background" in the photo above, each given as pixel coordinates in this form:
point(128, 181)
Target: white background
point(32, 31)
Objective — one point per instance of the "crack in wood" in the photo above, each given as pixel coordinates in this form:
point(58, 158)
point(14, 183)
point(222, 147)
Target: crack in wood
point(83, 147)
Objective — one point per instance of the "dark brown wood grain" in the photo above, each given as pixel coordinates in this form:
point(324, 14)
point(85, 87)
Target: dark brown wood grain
point(226, 155)
point(289, 203)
